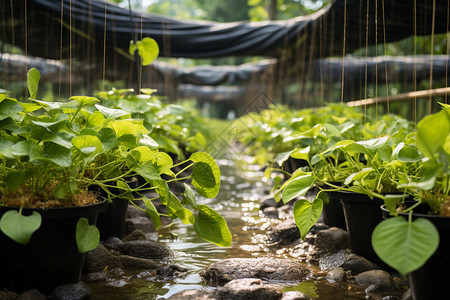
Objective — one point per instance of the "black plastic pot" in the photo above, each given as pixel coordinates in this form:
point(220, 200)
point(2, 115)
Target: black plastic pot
point(332, 213)
point(51, 258)
point(430, 281)
point(362, 215)
point(111, 222)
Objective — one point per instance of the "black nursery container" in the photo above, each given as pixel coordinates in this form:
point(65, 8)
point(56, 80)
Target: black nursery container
point(333, 213)
point(51, 257)
point(430, 281)
point(362, 215)
point(111, 222)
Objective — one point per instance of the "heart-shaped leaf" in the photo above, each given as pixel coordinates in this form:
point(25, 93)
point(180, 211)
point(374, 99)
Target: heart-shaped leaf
point(297, 187)
point(403, 245)
point(152, 212)
point(208, 190)
point(19, 227)
point(33, 77)
point(212, 227)
point(148, 50)
point(87, 236)
point(306, 215)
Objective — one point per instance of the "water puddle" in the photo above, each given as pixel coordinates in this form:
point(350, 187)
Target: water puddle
point(238, 202)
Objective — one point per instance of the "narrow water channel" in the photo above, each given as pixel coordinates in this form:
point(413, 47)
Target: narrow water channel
point(238, 202)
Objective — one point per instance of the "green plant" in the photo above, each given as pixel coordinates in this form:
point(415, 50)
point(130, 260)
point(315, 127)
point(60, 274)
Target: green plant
point(52, 152)
point(406, 244)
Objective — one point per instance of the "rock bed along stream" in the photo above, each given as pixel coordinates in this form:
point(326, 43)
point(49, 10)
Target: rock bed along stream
point(238, 202)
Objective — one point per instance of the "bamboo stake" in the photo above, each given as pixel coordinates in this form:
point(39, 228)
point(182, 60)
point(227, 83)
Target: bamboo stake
point(402, 97)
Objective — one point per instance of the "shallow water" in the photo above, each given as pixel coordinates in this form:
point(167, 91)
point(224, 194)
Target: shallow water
point(238, 202)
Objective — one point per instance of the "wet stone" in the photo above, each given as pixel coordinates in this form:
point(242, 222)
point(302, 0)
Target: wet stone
point(331, 240)
point(285, 233)
point(136, 235)
point(117, 283)
point(376, 277)
point(113, 243)
point(192, 295)
point(136, 263)
point(333, 261)
point(7, 295)
point(32, 294)
point(145, 249)
point(358, 264)
point(74, 291)
point(264, 268)
point(116, 272)
point(94, 277)
point(295, 295)
point(336, 275)
point(271, 212)
point(269, 202)
point(100, 258)
point(171, 271)
point(249, 288)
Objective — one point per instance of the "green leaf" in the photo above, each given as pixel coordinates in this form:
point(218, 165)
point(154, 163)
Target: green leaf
point(297, 187)
point(409, 154)
point(108, 138)
point(147, 48)
point(58, 154)
point(145, 140)
point(128, 127)
point(27, 148)
point(87, 144)
point(9, 108)
point(112, 113)
point(176, 209)
point(6, 149)
point(87, 236)
point(403, 245)
point(306, 215)
point(84, 100)
point(203, 175)
point(432, 131)
point(212, 227)
point(152, 212)
point(18, 227)
point(385, 153)
point(14, 179)
point(61, 138)
point(358, 176)
point(205, 191)
point(189, 196)
point(164, 162)
point(33, 77)
point(301, 153)
point(391, 200)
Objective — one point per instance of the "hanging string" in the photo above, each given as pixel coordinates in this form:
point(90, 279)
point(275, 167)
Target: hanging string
point(343, 53)
point(367, 49)
point(415, 68)
point(70, 47)
point(431, 55)
point(60, 49)
point(140, 65)
point(385, 61)
point(104, 49)
point(321, 65)
point(26, 37)
point(376, 60)
point(447, 49)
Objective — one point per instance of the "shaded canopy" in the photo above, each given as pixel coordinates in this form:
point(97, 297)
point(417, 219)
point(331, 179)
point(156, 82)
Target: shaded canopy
point(318, 35)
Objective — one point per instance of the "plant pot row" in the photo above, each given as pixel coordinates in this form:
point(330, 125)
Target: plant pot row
point(359, 215)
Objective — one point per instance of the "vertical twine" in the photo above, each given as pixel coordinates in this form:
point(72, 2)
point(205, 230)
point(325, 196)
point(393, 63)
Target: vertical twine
point(431, 55)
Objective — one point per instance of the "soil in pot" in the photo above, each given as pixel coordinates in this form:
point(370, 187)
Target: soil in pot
point(51, 257)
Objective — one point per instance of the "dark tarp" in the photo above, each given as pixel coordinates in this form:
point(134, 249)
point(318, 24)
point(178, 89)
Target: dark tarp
point(313, 36)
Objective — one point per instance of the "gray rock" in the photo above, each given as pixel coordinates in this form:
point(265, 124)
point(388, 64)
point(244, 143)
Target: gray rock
point(334, 261)
point(249, 289)
point(145, 249)
point(139, 223)
point(74, 291)
point(136, 235)
point(113, 243)
point(269, 202)
point(407, 295)
point(377, 277)
point(285, 233)
point(264, 268)
point(358, 264)
point(117, 283)
point(336, 275)
point(94, 277)
point(171, 271)
point(295, 295)
point(271, 212)
point(100, 258)
point(135, 263)
point(116, 272)
point(192, 295)
point(31, 295)
point(331, 240)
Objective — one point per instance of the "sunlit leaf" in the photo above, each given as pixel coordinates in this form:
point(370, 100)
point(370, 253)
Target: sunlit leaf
point(404, 245)
point(306, 215)
point(206, 191)
point(33, 77)
point(147, 48)
point(212, 227)
point(297, 187)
